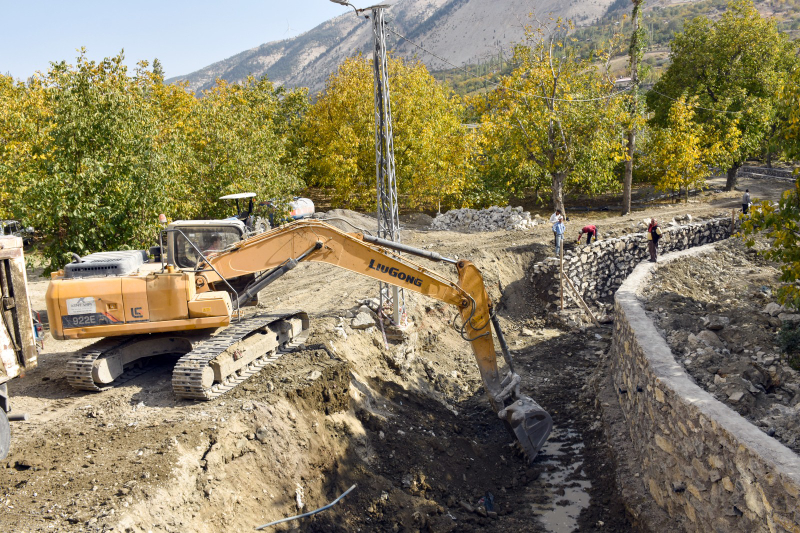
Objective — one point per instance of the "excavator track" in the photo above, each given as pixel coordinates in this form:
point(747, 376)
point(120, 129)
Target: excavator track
point(190, 378)
point(80, 367)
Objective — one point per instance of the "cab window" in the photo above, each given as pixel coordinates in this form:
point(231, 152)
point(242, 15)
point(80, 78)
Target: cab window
point(207, 240)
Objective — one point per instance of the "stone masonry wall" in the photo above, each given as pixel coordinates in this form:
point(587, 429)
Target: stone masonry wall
point(782, 174)
point(699, 459)
point(597, 270)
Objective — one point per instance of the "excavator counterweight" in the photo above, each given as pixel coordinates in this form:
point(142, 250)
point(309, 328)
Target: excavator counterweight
point(191, 306)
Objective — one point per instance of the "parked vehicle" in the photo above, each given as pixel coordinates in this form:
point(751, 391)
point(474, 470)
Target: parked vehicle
point(14, 228)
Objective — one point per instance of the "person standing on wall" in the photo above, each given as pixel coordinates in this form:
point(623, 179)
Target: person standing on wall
point(559, 228)
point(590, 231)
point(746, 201)
point(553, 219)
point(653, 236)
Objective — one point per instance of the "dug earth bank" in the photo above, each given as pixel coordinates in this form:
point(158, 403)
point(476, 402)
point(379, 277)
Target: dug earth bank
point(407, 422)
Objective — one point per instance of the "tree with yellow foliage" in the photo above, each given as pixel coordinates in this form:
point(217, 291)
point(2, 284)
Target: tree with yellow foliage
point(433, 149)
point(24, 125)
point(553, 125)
point(681, 154)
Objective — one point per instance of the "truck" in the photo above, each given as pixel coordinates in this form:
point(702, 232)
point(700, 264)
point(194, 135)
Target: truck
point(18, 346)
point(193, 303)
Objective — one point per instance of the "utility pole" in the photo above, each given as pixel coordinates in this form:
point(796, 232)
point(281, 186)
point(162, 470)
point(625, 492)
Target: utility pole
point(388, 214)
point(636, 53)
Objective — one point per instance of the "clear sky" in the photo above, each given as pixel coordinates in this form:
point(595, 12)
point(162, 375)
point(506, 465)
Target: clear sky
point(184, 36)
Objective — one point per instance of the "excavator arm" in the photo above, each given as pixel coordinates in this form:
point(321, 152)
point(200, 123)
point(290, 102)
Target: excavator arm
point(278, 251)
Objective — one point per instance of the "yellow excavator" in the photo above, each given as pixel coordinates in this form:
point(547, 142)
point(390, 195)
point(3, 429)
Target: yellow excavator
point(189, 301)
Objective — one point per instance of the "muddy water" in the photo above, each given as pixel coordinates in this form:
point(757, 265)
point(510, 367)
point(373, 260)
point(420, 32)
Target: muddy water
point(568, 481)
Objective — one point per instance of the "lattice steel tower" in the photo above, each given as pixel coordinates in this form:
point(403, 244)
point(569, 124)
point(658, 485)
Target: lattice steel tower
point(388, 215)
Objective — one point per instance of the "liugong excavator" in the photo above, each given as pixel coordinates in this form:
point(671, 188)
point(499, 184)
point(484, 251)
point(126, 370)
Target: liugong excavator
point(190, 304)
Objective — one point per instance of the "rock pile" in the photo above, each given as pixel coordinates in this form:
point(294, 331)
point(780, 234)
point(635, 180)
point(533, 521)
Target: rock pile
point(490, 219)
point(597, 270)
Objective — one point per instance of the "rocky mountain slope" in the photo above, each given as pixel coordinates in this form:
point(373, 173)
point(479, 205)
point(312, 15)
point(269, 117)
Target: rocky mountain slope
point(461, 31)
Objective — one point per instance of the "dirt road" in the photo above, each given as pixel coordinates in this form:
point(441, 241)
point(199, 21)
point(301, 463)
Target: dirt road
point(409, 424)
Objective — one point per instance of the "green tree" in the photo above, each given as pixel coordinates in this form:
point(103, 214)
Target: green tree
point(553, 124)
point(736, 67)
point(433, 149)
point(239, 143)
point(100, 183)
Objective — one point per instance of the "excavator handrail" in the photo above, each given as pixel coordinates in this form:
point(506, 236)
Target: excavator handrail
point(322, 230)
point(205, 260)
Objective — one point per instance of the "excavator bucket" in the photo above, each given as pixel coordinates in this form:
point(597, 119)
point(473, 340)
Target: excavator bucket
point(529, 423)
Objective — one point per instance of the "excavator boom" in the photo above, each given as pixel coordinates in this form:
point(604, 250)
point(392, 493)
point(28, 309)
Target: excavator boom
point(319, 242)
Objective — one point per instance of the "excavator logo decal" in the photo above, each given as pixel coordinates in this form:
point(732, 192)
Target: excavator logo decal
point(395, 273)
point(136, 312)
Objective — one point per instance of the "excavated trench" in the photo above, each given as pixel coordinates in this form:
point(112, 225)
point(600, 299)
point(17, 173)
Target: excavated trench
point(406, 421)
point(411, 427)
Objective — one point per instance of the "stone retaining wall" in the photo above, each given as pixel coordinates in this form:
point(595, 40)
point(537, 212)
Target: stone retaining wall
point(766, 172)
point(597, 270)
point(699, 458)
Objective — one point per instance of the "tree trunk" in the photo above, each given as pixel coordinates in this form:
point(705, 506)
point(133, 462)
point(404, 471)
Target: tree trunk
point(732, 176)
point(627, 182)
point(633, 54)
point(558, 191)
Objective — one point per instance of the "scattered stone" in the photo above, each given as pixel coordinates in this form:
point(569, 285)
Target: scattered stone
point(527, 332)
point(792, 318)
point(773, 309)
point(362, 321)
point(736, 396)
point(262, 434)
point(716, 323)
point(710, 339)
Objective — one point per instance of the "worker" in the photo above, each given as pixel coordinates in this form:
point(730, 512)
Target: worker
point(553, 219)
point(590, 230)
point(215, 245)
point(653, 236)
point(558, 229)
point(746, 201)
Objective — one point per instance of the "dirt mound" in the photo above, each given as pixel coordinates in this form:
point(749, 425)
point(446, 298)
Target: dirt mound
point(349, 221)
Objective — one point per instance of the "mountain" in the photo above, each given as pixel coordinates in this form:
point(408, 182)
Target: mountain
point(458, 31)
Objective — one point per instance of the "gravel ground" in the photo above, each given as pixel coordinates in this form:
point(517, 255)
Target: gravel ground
point(719, 315)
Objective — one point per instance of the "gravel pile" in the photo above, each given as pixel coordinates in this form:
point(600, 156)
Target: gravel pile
point(490, 219)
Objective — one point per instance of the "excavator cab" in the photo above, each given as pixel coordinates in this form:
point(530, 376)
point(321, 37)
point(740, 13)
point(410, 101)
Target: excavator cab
point(185, 237)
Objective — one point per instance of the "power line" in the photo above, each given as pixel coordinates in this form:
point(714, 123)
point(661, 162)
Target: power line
point(697, 106)
point(495, 84)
